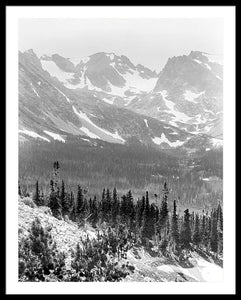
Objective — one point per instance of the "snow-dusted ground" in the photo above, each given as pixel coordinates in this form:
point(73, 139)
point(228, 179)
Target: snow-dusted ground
point(91, 129)
point(178, 116)
point(55, 136)
point(159, 268)
point(33, 134)
point(202, 270)
point(65, 234)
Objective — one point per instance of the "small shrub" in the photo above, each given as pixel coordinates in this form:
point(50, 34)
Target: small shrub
point(29, 202)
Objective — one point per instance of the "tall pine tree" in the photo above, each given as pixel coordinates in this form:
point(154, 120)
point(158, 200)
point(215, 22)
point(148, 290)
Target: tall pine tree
point(186, 235)
point(174, 228)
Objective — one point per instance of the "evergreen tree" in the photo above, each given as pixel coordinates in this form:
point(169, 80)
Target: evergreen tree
point(56, 168)
point(130, 211)
point(148, 223)
point(103, 209)
point(115, 206)
point(64, 200)
point(164, 224)
point(140, 210)
point(72, 207)
point(79, 202)
point(36, 197)
point(204, 231)
point(214, 232)
point(197, 236)
point(94, 212)
point(108, 206)
point(220, 227)
point(174, 228)
point(124, 209)
point(19, 190)
point(51, 185)
point(54, 202)
point(185, 236)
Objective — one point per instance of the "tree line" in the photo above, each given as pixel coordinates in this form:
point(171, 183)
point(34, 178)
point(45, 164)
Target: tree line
point(147, 221)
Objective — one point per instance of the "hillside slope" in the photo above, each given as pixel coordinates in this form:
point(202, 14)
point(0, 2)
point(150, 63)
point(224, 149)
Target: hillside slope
point(149, 264)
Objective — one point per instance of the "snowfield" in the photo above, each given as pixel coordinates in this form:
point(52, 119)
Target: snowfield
point(55, 71)
point(133, 81)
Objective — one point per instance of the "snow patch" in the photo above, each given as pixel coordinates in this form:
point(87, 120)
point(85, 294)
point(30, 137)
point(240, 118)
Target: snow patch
point(219, 77)
point(202, 271)
point(39, 82)
point(68, 100)
point(217, 142)
point(109, 101)
point(84, 117)
point(85, 59)
point(217, 58)
point(198, 61)
point(145, 120)
point(129, 99)
point(33, 134)
point(208, 67)
point(209, 111)
point(111, 56)
point(134, 82)
point(89, 133)
point(55, 136)
point(190, 96)
point(35, 92)
point(206, 179)
point(163, 139)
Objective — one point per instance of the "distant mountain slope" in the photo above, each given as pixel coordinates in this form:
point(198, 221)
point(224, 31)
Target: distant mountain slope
point(188, 94)
point(59, 98)
point(50, 111)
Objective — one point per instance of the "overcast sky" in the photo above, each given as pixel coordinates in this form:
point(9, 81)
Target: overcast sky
point(147, 41)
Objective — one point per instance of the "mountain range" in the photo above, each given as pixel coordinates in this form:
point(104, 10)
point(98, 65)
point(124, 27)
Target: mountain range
point(105, 97)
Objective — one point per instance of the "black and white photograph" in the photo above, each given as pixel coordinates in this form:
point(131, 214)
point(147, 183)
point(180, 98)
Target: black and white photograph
point(118, 122)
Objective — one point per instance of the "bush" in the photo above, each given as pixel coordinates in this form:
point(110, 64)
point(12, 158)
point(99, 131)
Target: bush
point(99, 259)
point(39, 259)
point(29, 202)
